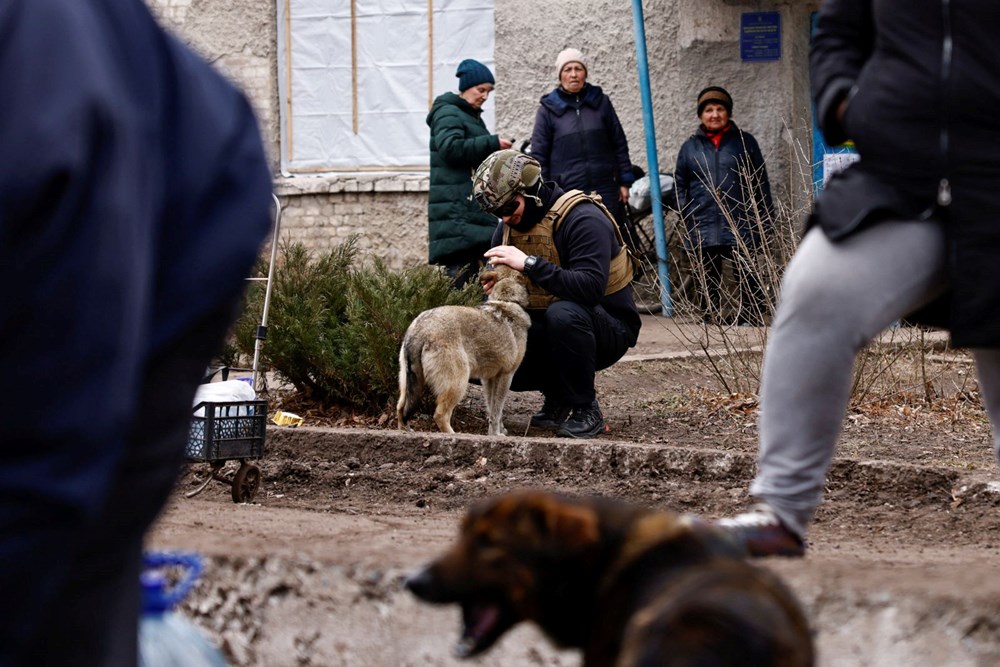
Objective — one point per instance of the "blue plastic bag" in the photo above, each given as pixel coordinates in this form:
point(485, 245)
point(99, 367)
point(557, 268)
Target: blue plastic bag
point(167, 639)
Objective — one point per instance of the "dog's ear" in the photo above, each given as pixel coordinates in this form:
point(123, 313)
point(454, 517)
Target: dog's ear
point(575, 526)
point(572, 526)
point(541, 520)
point(487, 275)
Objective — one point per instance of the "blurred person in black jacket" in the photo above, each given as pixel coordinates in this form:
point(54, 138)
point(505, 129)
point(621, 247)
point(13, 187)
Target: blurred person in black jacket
point(911, 230)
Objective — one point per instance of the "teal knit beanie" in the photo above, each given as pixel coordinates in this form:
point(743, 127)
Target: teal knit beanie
point(472, 73)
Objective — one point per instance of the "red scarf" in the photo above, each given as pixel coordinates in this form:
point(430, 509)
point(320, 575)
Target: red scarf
point(716, 137)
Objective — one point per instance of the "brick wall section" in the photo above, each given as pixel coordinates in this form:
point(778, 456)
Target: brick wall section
point(253, 74)
point(388, 213)
point(170, 11)
point(239, 38)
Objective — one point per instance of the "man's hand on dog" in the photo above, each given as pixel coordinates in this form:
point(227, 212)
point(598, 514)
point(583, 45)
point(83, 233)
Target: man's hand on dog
point(507, 255)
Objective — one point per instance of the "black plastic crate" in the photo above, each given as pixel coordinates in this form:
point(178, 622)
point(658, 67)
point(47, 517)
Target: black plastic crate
point(227, 430)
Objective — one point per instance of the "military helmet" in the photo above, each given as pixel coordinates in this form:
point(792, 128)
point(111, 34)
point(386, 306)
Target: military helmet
point(502, 176)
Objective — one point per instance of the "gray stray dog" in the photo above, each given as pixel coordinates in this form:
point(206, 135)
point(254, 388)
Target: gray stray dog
point(445, 346)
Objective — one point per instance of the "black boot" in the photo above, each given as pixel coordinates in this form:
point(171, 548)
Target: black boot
point(585, 421)
point(551, 415)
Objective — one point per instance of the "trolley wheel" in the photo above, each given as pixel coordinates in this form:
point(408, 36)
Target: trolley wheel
point(246, 481)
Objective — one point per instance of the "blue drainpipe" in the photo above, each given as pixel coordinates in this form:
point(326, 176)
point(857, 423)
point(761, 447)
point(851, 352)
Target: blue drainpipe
point(653, 163)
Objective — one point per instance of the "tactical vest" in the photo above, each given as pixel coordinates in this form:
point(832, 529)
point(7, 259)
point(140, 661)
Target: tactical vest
point(539, 241)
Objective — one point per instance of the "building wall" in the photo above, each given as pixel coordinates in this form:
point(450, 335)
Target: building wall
point(239, 37)
point(690, 44)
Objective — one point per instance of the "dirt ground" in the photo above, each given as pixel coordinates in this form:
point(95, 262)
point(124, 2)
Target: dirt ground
point(906, 541)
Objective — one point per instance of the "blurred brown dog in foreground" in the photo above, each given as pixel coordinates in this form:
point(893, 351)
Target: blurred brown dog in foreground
point(445, 346)
point(629, 586)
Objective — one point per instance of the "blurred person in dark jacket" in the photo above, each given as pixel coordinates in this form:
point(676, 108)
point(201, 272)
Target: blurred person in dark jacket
point(459, 232)
point(133, 200)
point(724, 199)
point(579, 140)
point(911, 230)
point(583, 315)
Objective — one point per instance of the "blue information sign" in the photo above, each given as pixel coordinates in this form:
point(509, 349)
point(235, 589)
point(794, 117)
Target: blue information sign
point(760, 36)
point(827, 160)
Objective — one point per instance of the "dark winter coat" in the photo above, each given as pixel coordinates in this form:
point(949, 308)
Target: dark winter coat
point(459, 143)
point(705, 176)
point(132, 206)
point(925, 123)
point(581, 145)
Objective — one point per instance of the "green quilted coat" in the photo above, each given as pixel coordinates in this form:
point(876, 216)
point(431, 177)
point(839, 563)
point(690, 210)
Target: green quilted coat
point(459, 142)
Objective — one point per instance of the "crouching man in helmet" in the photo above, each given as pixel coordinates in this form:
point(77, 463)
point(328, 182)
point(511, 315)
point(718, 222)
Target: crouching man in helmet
point(583, 315)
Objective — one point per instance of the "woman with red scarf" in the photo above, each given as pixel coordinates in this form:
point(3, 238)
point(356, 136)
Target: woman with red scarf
point(724, 199)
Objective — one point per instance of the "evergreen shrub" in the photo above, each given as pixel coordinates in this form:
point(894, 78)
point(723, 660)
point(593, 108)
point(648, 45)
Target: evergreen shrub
point(335, 325)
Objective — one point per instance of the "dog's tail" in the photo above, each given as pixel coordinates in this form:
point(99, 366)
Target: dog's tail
point(411, 380)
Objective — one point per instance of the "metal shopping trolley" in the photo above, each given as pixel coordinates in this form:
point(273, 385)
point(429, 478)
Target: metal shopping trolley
point(223, 431)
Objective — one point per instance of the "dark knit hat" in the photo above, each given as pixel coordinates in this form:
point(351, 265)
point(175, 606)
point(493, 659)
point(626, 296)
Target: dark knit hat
point(472, 73)
point(716, 95)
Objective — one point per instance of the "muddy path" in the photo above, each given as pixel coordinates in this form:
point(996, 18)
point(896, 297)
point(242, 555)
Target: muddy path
point(901, 566)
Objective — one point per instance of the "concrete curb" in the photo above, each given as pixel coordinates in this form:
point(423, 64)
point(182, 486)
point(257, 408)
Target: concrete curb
point(618, 459)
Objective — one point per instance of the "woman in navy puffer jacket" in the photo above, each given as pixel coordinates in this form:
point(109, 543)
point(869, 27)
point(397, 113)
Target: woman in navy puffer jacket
point(579, 140)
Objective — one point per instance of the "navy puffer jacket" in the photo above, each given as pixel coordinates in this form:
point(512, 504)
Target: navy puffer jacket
point(580, 143)
point(705, 176)
point(459, 143)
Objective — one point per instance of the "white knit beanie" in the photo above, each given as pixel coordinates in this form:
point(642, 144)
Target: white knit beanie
point(567, 56)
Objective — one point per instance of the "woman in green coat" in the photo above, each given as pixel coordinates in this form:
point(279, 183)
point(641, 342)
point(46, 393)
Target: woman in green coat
point(459, 231)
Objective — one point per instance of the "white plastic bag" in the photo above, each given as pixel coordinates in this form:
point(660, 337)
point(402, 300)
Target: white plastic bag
point(223, 392)
point(638, 194)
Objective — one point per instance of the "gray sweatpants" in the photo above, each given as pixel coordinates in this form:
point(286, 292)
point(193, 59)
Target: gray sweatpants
point(835, 298)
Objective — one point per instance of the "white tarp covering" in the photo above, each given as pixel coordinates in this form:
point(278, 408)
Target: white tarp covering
point(384, 90)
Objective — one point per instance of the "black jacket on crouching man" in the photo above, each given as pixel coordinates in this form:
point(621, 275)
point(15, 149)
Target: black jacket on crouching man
point(585, 330)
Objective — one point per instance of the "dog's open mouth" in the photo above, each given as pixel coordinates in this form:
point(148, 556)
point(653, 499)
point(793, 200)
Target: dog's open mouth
point(483, 622)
